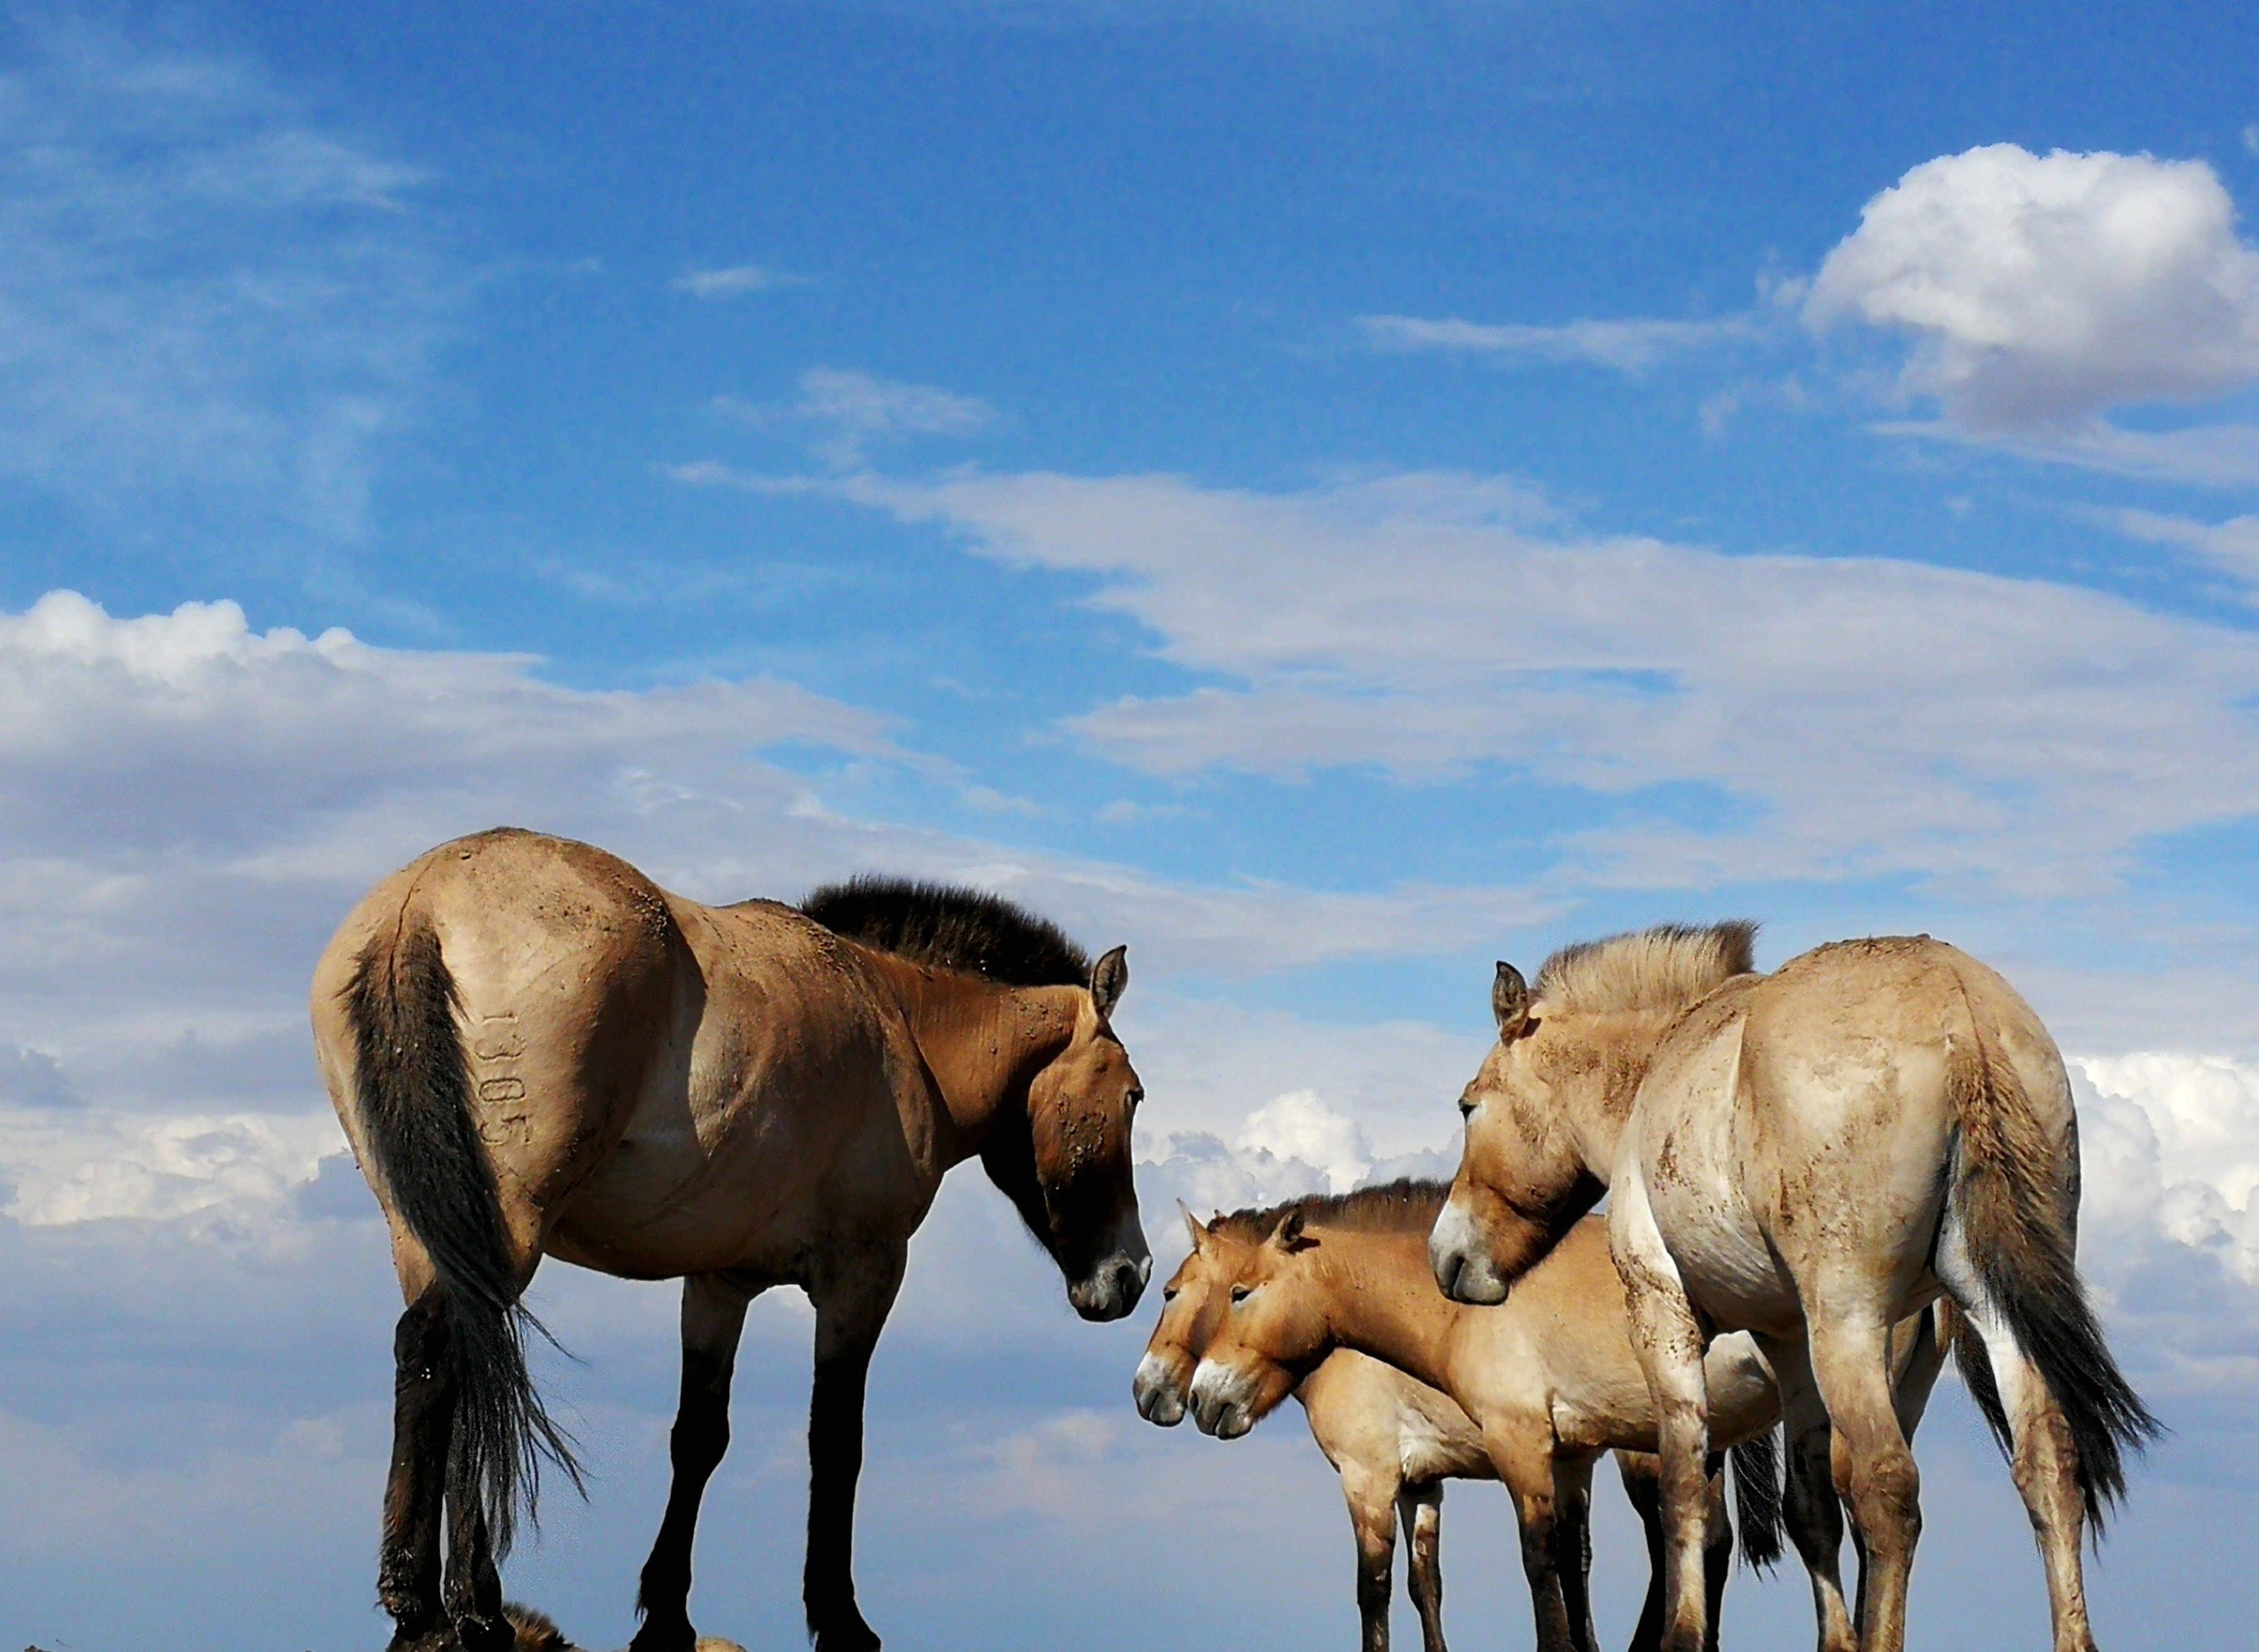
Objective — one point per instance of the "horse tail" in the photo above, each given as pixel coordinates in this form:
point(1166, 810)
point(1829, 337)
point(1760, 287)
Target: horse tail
point(413, 1093)
point(1757, 1497)
point(2006, 1212)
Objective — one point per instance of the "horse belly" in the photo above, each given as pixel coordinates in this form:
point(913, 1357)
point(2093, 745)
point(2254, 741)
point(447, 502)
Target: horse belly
point(1729, 1271)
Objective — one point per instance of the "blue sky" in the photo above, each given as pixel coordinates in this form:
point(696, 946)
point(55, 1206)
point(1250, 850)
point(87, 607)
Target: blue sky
point(1331, 494)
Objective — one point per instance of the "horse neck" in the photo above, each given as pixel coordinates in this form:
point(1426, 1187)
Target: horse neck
point(1380, 1298)
point(982, 1042)
point(1612, 1054)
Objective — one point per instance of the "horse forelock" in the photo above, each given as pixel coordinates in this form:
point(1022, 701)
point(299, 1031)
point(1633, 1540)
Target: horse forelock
point(1407, 1203)
point(1663, 969)
point(952, 928)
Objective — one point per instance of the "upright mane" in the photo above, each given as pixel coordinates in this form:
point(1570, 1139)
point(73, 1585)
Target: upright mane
point(950, 928)
point(1665, 968)
point(1407, 1203)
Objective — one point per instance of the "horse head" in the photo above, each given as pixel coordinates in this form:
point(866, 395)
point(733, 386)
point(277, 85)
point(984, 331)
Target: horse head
point(1192, 1307)
point(1075, 1188)
point(1523, 1180)
point(1272, 1334)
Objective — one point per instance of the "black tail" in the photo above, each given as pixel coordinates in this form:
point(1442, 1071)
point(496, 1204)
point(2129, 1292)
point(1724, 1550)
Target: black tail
point(2021, 1250)
point(414, 1100)
point(1756, 1499)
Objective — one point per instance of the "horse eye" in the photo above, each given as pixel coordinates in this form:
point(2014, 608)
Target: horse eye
point(1239, 1292)
point(1168, 1293)
point(1135, 1096)
point(1466, 1109)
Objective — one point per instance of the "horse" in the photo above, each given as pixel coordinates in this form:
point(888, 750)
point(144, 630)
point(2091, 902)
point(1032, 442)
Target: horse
point(1394, 1439)
point(1809, 1157)
point(535, 1051)
point(1549, 1379)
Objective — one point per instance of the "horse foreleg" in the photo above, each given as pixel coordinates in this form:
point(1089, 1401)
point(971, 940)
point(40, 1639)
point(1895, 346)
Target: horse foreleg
point(1370, 1495)
point(1523, 1458)
point(1642, 1485)
point(415, 1489)
point(1572, 1546)
point(1420, 1508)
point(1717, 1552)
point(1671, 1342)
point(1850, 1362)
point(713, 1319)
point(850, 1309)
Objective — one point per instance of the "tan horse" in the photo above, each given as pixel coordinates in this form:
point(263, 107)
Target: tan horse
point(535, 1051)
point(1551, 1379)
point(1394, 1439)
point(1808, 1155)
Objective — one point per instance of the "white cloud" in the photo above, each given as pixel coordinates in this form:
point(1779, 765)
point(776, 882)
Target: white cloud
point(239, 1168)
point(1631, 346)
point(2042, 290)
point(204, 297)
point(736, 281)
point(1857, 716)
point(1299, 1126)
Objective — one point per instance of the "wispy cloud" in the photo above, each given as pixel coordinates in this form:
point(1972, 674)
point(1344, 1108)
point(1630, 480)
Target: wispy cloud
point(205, 297)
point(853, 410)
point(736, 281)
point(2231, 546)
point(1632, 345)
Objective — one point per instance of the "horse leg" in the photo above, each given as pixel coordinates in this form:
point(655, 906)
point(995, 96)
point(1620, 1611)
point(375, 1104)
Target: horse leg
point(1850, 1361)
point(2045, 1466)
point(1524, 1460)
point(1420, 1508)
point(1572, 1546)
point(423, 1415)
point(1809, 1507)
point(1642, 1485)
point(1371, 1497)
point(1717, 1552)
point(1670, 1340)
point(473, 1590)
point(713, 1319)
point(852, 1302)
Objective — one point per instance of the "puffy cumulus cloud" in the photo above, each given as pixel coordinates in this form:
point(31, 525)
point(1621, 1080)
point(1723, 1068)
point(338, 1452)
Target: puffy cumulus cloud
point(1849, 717)
point(2043, 289)
point(81, 1166)
point(1298, 1126)
point(2174, 1148)
point(205, 297)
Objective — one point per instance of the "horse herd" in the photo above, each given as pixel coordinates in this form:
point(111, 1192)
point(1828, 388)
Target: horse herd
point(1818, 1182)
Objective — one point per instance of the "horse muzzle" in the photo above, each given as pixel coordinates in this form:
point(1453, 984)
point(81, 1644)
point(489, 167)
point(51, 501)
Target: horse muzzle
point(1461, 1261)
point(1220, 1403)
point(1160, 1397)
point(1111, 1288)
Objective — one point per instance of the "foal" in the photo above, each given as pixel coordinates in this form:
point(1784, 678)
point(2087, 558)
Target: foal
point(535, 1050)
point(1394, 1439)
point(1550, 1378)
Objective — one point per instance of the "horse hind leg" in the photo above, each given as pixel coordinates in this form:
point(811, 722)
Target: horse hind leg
point(1850, 1362)
point(408, 1577)
point(2044, 1461)
point(473, 1587)
point(1420, 1508)
point(1810, 1508)
point(713, 1320)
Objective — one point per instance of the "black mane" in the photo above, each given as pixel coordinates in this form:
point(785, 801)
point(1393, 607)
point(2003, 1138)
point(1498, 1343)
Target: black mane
point(950, 928)
point(1406, 1203)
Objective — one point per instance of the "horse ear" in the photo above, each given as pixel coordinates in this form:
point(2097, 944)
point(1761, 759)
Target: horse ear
point(1509, 1001)
point(1287, 1236)
point(1193, 1226)
point(1109, 977)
